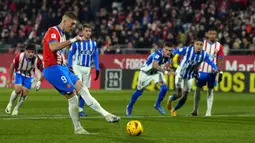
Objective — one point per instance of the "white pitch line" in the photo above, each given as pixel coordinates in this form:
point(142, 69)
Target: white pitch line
point(41, 117)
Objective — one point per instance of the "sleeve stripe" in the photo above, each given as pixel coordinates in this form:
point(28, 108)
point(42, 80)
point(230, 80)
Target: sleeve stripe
point(52, 41)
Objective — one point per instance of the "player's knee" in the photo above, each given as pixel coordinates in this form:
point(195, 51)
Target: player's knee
point(18, 89)
point(25, 91)
point(164, 87)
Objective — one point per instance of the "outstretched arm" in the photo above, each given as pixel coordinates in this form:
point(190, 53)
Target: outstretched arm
point(210, 62)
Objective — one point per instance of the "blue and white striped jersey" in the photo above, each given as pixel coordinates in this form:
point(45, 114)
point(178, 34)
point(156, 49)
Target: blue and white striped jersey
point(191, 61)
point(83, 51)
point(156, 56)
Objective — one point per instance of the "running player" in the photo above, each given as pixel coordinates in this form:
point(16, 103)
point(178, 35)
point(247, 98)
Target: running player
point(24, 65)
point(152, 71)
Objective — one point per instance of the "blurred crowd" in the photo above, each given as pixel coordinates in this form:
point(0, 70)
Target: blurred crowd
point(120, 26)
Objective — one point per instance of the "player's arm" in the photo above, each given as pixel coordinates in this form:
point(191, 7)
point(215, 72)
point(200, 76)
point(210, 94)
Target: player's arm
point(39, 66)
point(155, 65)
point(96, 61)
point(10, 75)
point(220, 56)
point(53, 37)
point(70, 55)
point(14, 64)
point(210, 62)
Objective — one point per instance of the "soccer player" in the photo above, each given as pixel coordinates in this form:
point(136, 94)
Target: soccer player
point(58, 74)
point(84, 51)
point(206, 75)
point(193, 56)
point(152, 71)
point(24, 65)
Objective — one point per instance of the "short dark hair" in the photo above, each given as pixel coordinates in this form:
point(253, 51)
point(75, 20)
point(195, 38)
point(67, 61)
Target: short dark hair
point(168, 44)
point(86, 26)
point(199, 39)
point(71, 15)
point(212, 28)
point(30, 46)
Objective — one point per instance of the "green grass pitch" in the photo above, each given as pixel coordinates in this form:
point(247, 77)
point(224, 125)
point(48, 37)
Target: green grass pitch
point(44, 119)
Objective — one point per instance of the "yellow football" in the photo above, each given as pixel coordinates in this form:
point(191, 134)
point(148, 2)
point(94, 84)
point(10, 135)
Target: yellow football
point(134, 128)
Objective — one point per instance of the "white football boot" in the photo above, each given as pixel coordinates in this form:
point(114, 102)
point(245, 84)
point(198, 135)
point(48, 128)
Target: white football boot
point(8, 109)
point(15, 112)
point(81, 131)
point(112, 118)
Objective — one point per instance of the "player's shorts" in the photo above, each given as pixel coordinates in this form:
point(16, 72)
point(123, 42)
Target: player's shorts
point(184, 84)
point(206, 78)
point(24, 81)
point(83, 73)
point(145, 79)
point(61, 78)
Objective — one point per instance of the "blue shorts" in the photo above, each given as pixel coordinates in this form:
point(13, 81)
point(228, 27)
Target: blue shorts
point(61, 78)
point(24, 81)
point(206, 78)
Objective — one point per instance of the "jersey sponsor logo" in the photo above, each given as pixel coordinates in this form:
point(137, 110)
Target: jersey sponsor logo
point(86, 52)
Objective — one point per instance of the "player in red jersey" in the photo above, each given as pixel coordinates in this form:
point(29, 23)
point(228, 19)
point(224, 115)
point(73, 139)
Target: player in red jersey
point(24, 65)
point(58, 74)
point(206, 73)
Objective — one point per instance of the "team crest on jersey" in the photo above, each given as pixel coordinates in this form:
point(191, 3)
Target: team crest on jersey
point(86, 52)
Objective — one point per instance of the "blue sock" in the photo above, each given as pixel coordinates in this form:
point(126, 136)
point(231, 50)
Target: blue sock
point(162, 93)
point(134, 97)
point(173, 98)
point(81, 102)
point(180, 103)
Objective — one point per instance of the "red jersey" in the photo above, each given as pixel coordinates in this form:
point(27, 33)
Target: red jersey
point(50, 58)
point(215, 52)
point(25, 66)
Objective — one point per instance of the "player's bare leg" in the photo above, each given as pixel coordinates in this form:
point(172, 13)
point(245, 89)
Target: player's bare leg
point(74, 114)
point(21, 100)
point(92, 103)
point(209, 102)
point(15, 93)
point(196, 101)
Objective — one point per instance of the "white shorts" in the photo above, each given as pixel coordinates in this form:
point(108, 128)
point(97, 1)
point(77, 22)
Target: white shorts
point(145, 79)
point(83, 73)
point(185, 84)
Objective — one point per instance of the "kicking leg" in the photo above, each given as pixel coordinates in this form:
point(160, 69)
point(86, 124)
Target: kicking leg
point(92, 102)
point(14, 95)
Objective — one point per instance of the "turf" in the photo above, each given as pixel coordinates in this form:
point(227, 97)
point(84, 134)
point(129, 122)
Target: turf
point(44, 119)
